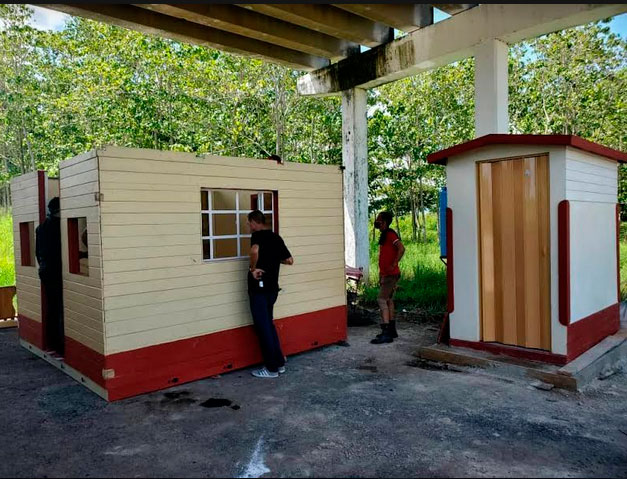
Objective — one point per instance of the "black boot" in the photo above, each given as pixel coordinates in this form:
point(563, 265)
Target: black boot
point(393, 332)
point(384, 337)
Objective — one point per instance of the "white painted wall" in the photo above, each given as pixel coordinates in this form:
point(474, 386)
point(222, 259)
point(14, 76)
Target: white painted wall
point(491, 95)
point(591, 188)
point(462, 199)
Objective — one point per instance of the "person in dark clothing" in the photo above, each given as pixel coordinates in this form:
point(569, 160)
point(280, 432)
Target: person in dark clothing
point(48, 252)
point(267, 253)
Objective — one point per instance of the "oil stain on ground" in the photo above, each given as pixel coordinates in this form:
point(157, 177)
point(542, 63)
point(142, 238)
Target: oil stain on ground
point(219, 402)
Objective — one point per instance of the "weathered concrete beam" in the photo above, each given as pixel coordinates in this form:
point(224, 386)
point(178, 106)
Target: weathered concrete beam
point(448, 41)
point(258, 26)
point(406, 17)
point(453, 8)
point(145, 21)
point(328, 19)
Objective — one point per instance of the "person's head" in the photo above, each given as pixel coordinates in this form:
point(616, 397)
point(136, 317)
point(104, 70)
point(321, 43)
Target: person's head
point(54, 206)
point(256, 221)
point(383, 220)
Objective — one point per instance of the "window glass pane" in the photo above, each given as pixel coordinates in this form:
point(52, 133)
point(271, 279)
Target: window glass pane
point(223, 200)
point(205, 224)
point(224, 225)
point(267, 201)
point(243, 224)
point(244, 246)
point(225, 248)
point(205, 249)
point(248, 200)
point(204, 200)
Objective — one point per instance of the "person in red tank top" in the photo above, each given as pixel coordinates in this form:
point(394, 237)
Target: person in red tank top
point(391, 250)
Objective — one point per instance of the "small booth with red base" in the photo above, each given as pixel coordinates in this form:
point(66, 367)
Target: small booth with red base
point(532, 244)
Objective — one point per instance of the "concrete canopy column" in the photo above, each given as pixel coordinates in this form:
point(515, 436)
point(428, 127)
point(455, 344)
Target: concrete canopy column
point(355, 161)
point(491, 96)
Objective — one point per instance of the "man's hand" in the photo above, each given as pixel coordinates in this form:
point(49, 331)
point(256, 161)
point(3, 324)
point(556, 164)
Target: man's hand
point(257, 273)
point(288, 261)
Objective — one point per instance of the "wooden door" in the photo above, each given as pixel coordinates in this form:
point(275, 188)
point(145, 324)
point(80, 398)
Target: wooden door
point(514, 226)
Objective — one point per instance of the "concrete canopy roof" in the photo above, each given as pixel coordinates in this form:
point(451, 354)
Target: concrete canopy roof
point(302, 36)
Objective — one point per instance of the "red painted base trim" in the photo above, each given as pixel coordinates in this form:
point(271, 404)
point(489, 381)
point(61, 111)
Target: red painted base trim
point(514, 351)
point(85, 360)
point(589, 331)
point(164, 365)
point(563, 261)
point(30, 330)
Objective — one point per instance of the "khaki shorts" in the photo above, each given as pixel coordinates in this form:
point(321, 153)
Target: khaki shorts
point(388, 286)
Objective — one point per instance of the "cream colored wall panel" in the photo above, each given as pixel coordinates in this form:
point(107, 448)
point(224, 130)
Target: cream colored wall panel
point(94, 303)
point(30, 311)
point(114, 179)
point(84, 328)
point(310, 204)
point(83, 309)
point(80, 168)
point(120, 254)
point(155, 218)
point(150, 263)
point(114, 243)
point(27, 296)
point(173, 307)
point(295, 225)
point(32, 289)
point(124, 231)
point(97, 346)
point(77, 159)
point(26, 209)
point(210, 269)
point(284, 310)
point(83, 178)
point(89, 189)
point(154, 196)
point(182, 157)
point(302, 241)
point(95, 281)
point(32, 281)
point(87, 290)
point(312, 213)
point(157, 321)
point(144, 207)
point(71, 205)
point(591, 197)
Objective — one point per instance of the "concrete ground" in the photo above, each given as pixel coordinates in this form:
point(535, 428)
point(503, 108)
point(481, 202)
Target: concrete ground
point(359, 411)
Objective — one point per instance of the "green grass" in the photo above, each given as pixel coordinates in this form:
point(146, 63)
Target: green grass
point(7, 264)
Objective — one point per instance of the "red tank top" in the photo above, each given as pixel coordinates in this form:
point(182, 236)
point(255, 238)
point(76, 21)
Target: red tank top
point(387, 255)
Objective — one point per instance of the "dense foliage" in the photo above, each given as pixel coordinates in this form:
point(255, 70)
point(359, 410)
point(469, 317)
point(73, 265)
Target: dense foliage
point(90, 84)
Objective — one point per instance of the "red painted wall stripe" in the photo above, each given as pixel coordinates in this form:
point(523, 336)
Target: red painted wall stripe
point(450, 297)
point(563, 260)
point(591, 330)
point(30, 330)
point(618, 252)
point(85, 360)
point(513, 351)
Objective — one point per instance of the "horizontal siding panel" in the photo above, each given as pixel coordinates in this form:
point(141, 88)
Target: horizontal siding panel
point(77, 202)
point(292, 225)
point(155, 196)
point(30, 311)
point(79, 319)
point(181, 169)
point(122, 231)
point(97, 346)
point(112, 266)
point(114, 179)
point(87, 189)
point(605, 171)
point(84, 289)
point(114, 243)
point(94, 303)
point(590, 187)
point(85, 310)
point(284, 310)
point(154, 218)
point(572, 175)
point(80, 167)
point(83, 178)
point(25, 209)
point(140, 207)
point(77, 159)
point(592, 197)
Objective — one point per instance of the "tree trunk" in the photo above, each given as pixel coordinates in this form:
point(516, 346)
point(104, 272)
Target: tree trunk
point(421, 204)
point(412, 203)
point(398, 226)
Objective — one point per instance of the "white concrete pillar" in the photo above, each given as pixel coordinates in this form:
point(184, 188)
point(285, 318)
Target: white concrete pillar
point(355, 161)
point(491, 99)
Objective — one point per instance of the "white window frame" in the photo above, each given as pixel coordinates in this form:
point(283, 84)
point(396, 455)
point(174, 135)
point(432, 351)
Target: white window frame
point(238, 212)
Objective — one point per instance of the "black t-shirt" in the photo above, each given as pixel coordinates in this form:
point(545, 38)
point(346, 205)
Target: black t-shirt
point(272, 251)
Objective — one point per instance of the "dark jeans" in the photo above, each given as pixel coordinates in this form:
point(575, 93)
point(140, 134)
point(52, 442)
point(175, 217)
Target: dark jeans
point(262, 308)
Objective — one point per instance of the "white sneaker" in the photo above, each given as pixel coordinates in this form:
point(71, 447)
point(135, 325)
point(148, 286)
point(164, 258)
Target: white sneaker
point(264, 373)
point(281, 369)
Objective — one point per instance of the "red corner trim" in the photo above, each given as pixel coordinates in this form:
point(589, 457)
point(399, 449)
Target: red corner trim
point(618, 252)
point(563, 260)
point(450, 300)
point(513, 351)
point(30, 331)
point(587, 332)
point(442, 156)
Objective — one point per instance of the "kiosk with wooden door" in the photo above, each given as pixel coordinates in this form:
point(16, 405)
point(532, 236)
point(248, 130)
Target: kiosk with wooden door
point(532, 244)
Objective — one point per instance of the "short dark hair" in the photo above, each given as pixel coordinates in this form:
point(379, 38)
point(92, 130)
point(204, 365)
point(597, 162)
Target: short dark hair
point(257, 216)
point(54, 205)
point(387, 217)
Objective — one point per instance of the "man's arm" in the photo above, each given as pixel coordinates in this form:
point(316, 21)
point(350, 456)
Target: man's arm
point(254, 256)
point(400, 251)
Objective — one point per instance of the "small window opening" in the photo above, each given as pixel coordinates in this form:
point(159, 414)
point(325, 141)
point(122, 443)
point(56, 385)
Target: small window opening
point(224, 215)
point(27, 243)
point(78, 245)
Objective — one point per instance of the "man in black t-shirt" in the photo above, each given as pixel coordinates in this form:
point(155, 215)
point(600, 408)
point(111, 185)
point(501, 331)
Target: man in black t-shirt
point(267, 253)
